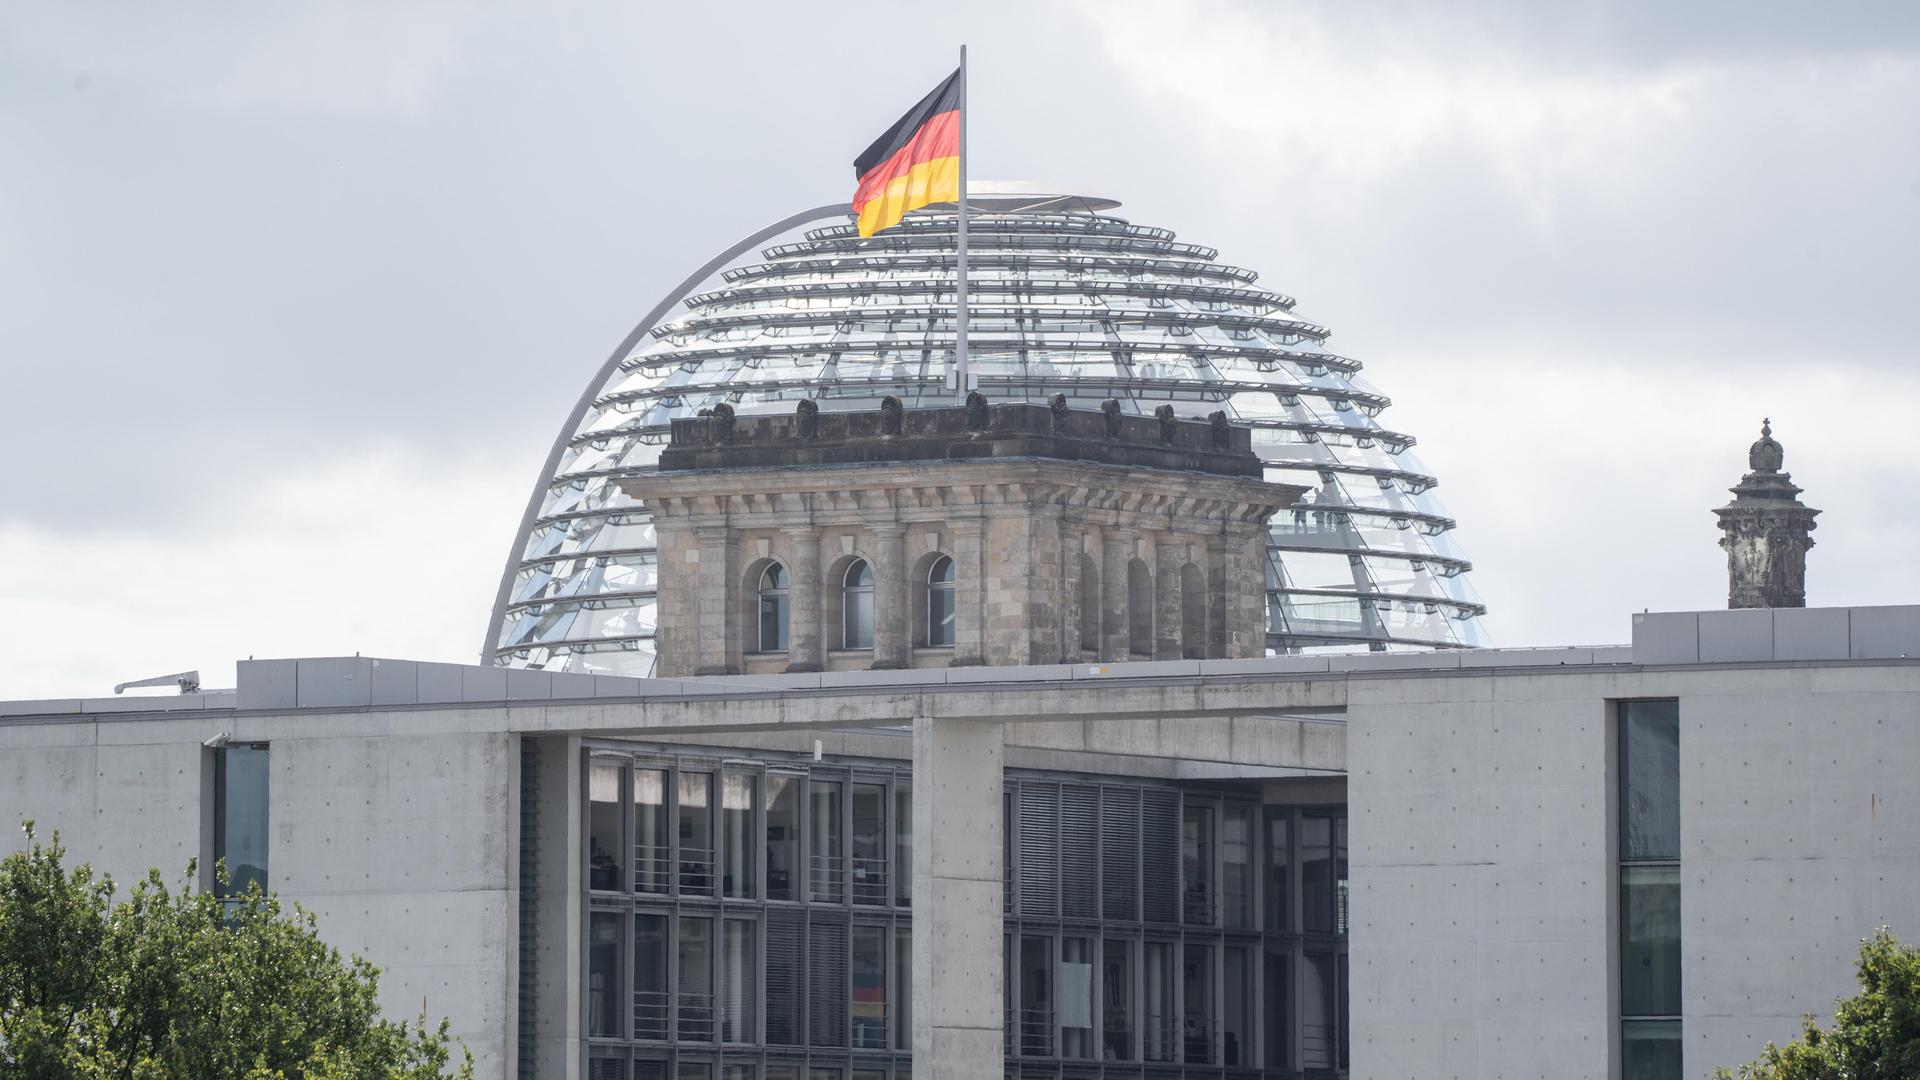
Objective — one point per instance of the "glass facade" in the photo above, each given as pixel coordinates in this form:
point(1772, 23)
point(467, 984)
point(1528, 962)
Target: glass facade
point(1111, 964)
point(1649, 919)
point(240, 817)
point(1061, 302)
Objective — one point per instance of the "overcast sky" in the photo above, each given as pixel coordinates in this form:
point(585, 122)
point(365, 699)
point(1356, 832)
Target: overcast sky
point(293, 298)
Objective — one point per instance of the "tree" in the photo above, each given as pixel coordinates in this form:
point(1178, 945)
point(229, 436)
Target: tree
point(1875, 1033)
point(185, 986)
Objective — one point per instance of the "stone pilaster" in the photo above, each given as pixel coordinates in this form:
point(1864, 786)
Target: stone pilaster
point(969, 592)
point(891, 642)
point(1116, 550)
point(803, 599)
point(1168, 600)
point(713, 637)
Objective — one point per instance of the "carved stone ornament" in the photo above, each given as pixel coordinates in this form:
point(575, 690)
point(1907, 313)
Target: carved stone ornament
point(1058, 405)
point(807, 415)
point(891, 416)
point(1766, 455)
point(1221, 428)
point(722, 421)
point(976, 411)
point(1168, 425)
point(1110, 409)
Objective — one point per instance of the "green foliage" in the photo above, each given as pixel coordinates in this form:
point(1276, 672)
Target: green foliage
point(1875, 1033)
point(183, 986)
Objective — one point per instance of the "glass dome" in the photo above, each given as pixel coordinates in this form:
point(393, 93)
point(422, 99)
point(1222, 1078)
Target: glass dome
point(1063, 298)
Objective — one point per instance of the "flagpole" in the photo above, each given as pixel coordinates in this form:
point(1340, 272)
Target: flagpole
point(963, 381)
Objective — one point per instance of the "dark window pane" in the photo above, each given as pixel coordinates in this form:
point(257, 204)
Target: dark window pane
point(1236, 1036)
point(1316, 873)
point(652, 854)
point(827, 866)
point(1036, 1017)
point(1158, 1020)
point(1650, 1050)
point(696, 834)
point(1196, 864)
point(1650, 941)
point(1649, 780)
point(1196, 1025)
point(603, 975)
point(696, 979)
point(737, 792)
point(903, 989)
point(604, 842)
point(869, 1000)
point(1279, 884)
point(240, 816)
point(1116, 993)
point(869, 844)
point(650, 1000)
point(1236, 867)
point(783, 834)
point(1319, 1012)
point(1279, 1014)
point(903, 846)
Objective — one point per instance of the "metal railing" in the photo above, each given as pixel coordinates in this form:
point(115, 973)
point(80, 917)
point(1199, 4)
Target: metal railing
point(1196, 902)
point(696, 871)
point(650, 1013)
point(1197, 1040)
point(1159, 1035)
point(652, 868)
point(1316, 1046)
point(870, 1027)
point(826, 877)
point(697, 1016)
point(870, 881)
point(1031, 1030)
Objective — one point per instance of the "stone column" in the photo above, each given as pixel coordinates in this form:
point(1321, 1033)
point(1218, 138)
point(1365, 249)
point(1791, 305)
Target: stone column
point(1073, 543)
point(1219, 603)
point(969, 592)
point(803, 599)
point(890, 608)
point(714, 630)
point(958, 893)
point(1115, 553)
point(1246, 594)
point(1169, 621)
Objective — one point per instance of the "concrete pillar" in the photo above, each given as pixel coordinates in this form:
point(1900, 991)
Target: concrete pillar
point(890, 607)
point(1116, 551)
point(803, 599)
point(958, 894)
point(716, 632)
point(1168, 600)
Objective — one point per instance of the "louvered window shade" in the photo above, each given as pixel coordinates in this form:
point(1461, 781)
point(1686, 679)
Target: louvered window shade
point(1160, 855)
point(826, 981)
point(1079, 851)
point(1039, 849)
point(786, 974)
point(1120, 853)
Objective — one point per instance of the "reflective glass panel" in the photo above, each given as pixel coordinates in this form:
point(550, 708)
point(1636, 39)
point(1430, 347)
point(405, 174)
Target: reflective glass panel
point(1650, 941)
point(652, 854)
point(738, 979)
point(783, 834)
point(696, 833)
point(1116, 997)
point(869, 866)
point(605, 840)
point(1650, 1050)
point(737, 792)
point(603, 976)
point(1649, 780)
point(695, 992)
point(240, 816)
point(651, 1000)
point(869, 988)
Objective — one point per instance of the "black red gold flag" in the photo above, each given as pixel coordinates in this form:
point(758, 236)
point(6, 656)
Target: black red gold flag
point(915, 163)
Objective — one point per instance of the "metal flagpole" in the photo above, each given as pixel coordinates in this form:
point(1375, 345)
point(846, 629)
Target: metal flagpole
point(963, 381)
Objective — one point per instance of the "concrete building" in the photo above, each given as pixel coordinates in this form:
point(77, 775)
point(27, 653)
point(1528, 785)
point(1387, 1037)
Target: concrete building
point(589, 873)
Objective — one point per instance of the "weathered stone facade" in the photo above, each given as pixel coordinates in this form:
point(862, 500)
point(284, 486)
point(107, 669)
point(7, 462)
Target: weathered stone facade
point(1074, 535)
point(1764, 532)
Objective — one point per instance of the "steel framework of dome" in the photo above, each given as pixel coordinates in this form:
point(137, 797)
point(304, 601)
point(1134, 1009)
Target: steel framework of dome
point(1064, 298)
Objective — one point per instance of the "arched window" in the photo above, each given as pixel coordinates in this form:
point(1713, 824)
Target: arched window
point(856, 607)
point(1089, 605)
point(773, 609)
point(940, 602)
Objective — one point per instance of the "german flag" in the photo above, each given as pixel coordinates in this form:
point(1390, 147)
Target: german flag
point(915, 163)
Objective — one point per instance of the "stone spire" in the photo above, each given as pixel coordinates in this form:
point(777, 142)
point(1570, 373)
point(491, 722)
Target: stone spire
point(1764, 531)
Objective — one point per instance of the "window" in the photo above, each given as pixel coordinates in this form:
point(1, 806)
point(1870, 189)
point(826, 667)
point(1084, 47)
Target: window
point(1116, 997)
point(696, 834)
point(773, 609)
point(856, 607)
point(869, 865)
point(1279, 890)
point(1089, 605)
point(940, 602)
point(736, 830)
point(651, 1002)
point(696, 978)
point(1316, 872)
point(783, 833)
point(1237, 995)
point(1036, 1018)
point(1076, 997)
point(903, 988)
point(603, 975)
point(869, 988)
point(1156, 983)
point(604, 842)
point(1319, 1013)
point(652, 850)
point(240, 816)
point(825, 867)
point(903, 845)
point(1236, 867)
point(737, 979)
point(1649, 795)
point(1196, 864)
point(1196, 1025)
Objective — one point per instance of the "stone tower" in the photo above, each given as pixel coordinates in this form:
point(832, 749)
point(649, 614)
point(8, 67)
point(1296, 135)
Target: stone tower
point(1765, 531)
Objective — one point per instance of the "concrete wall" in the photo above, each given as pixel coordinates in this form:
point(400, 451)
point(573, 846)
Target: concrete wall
point(1483, 863)
point(1479, 880)
point(398, 838)
point(1799, 833)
